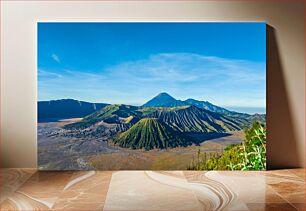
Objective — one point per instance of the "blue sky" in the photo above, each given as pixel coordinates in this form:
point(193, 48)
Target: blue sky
point(130, 63)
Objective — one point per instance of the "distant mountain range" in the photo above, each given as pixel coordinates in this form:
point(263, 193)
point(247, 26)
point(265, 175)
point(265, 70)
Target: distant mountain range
point(66, 108)
point(69, 108)
point(162, 122)
point(165, 100)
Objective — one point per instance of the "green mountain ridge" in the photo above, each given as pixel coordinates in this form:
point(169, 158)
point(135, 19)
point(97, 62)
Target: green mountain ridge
point(111, 114)
point(193, 119)
point(150, 127)
point(181, 118)
point(150, 133)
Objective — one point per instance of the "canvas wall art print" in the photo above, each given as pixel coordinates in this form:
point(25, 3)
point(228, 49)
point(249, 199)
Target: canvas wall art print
point(151, 96)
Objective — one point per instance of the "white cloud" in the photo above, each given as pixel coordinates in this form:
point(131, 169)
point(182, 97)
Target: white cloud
point(187, 67)
point(184, 75)
point(43, 74)
point(56, 58)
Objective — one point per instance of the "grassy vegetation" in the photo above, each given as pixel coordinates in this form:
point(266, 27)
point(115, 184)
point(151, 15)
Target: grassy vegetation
point(149, 133)
point(193, 119)
point(149, 110)
point(250, 155)
point(108, 114)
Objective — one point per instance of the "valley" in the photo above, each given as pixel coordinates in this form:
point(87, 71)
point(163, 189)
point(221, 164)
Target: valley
point(164, 133)
point(64, 152)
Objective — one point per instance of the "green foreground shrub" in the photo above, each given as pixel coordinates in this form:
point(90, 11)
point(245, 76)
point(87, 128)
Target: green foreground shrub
point(250, 155)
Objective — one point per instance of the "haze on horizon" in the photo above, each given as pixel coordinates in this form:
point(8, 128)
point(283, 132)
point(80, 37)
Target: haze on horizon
point(130, 63)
